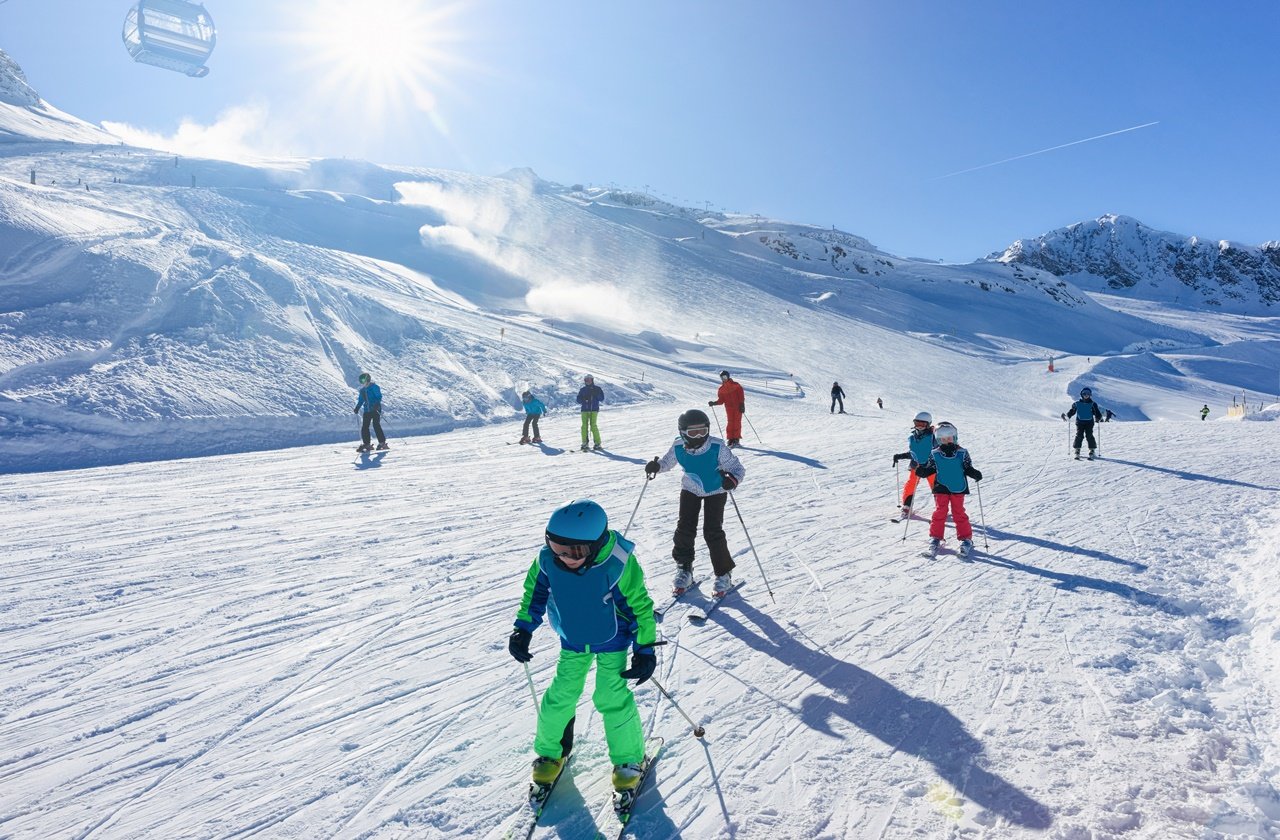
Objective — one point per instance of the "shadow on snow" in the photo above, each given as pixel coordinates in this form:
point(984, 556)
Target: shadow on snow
point(902, 722)
point(787, 456)
point(997, 534)
point(1072, 583)
point(1190, 476)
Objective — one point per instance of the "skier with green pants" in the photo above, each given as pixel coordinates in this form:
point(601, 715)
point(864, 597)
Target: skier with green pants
point(588, 583)
point(589, 397)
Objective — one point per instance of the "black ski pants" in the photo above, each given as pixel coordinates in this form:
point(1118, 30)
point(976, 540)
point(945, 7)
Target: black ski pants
point(1084, 429)
point(835, 398)
point(374, 417)
point(712, 508)
point(531, 419)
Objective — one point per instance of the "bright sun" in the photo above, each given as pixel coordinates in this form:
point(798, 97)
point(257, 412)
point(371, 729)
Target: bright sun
point(380, 57)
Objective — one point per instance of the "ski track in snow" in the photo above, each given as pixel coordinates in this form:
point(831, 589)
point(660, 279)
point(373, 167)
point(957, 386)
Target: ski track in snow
point(285, 646)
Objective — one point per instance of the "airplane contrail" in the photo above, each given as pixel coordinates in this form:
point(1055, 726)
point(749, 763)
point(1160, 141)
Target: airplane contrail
point(1050, 149)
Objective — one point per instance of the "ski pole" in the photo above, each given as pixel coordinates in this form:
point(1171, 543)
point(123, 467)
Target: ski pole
point(753, 547)
point(698, 731)
point(897, 484)
point(983, 517)
point(647, 479)
point(1099, 426)
point(753, 430)
point(528, 675)
point(716, 415)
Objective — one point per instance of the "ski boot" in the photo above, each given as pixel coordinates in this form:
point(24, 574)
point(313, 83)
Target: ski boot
point(626, 777)
point(966, 548)
point(904, 511)
point(382, 447)
point(597, 448)
point(546, 770)
point(585, 448)
point(1091, 455)
point(683, 580)
point(364, 447)
point(724, 583)
point(932, 550)
point(524, 439)
point(537, 440)
point(1077, 454)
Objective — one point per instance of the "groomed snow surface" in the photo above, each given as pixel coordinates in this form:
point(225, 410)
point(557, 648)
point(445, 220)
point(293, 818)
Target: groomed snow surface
point(305, 643)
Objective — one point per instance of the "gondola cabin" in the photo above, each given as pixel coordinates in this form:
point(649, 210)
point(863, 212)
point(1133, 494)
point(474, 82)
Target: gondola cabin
point(172, 34)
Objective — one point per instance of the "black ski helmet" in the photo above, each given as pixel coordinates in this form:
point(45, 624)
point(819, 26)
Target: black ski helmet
point(1086, 392)
point(724, 374)
point(694, 418)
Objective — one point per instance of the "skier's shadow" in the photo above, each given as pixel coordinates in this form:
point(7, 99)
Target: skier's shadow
point(902, 722)
point(549, 450)
point(1190, 476)
point(370, 462)
point(997, 534)
point(787, 456)
point(613, 456)
point(1071, 583)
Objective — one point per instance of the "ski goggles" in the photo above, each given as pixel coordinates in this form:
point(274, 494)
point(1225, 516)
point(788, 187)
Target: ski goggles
point(573, 551)
point(921, 424)
point(696, 432)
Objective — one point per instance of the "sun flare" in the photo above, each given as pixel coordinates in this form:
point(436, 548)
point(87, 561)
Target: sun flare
point(378, 58)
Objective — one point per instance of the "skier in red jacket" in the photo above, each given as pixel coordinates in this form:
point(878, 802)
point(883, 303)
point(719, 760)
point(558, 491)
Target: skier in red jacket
point(734, 401)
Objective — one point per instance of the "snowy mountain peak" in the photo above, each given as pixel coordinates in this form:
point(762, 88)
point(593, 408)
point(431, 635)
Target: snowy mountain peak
point(14, 88)
point(1119, 254)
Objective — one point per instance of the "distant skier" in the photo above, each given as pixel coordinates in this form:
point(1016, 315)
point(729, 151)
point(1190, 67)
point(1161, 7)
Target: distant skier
point(837, 396)
point(589, 398)
point(731, 396)
point(1204, 412)
point(587, 581)
point(711, 470)
point(371, 401)
point(533, 409)
point(880, 403)
point(951, 464)
point(920, 444)
point(1086, 412)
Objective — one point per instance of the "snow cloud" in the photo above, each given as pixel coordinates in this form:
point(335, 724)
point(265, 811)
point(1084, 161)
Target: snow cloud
point(506, 223)
point(240, 133)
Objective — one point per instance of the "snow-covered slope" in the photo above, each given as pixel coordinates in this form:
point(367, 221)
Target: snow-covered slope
point(155, 306)
point(24, 116)
point(306, 645)
point(1120, 255)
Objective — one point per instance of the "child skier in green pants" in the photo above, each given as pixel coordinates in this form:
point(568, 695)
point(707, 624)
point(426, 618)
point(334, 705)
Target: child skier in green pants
point(588, 583)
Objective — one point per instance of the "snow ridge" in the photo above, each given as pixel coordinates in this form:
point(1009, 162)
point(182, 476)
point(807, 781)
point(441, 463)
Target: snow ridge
point(1120, 254)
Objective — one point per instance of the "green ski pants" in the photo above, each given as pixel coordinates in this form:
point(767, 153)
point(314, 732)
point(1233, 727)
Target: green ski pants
point(612, 697)
point(589, 419)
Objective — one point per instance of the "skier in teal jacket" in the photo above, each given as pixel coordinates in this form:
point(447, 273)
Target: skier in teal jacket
point(533, 409)
point(589, 585)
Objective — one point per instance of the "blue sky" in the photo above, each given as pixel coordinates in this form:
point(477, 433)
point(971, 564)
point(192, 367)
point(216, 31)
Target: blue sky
point(831, 113)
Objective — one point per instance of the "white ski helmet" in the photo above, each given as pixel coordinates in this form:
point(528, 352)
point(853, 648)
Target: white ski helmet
point(946, 433)
point(924, 416)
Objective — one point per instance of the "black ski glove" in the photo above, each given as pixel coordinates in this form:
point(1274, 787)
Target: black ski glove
point(355, 410)
point(652, 468)
point(710, 403)
point(643, 664)
point(727, 480)
point(923, 471)
point(897, 456)
point(975, 474)
point(1064, 417)
point(518, 645)
point(742, 409)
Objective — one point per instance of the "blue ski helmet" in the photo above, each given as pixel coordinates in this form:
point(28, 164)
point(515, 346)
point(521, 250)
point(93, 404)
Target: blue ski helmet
point(580, 522)
point(364, 377)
